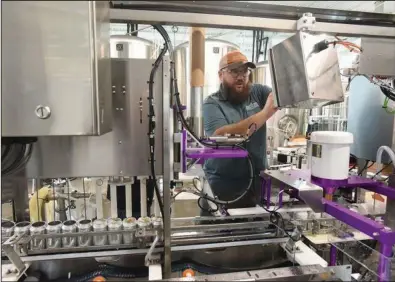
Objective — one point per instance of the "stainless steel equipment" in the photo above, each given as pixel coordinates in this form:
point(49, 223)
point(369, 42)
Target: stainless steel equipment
point(303, 78)
point(131, 47)
point(58, 69)
point(276, 136)
point(214, 50)
point(377, 57)
point(365, 103)
point(105, 155)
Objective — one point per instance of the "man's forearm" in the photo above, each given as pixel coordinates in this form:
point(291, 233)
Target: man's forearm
point(242, 127)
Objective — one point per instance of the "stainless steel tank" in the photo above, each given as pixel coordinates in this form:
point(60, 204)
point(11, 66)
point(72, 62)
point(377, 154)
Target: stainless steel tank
point(131, 47)
point(275, 134)
point(214, 50)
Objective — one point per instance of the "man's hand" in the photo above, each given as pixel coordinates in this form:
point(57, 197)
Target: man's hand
point(252, 123)
point(270, 108)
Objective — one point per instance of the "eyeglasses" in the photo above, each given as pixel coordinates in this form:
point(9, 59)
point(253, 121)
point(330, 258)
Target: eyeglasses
point(236, 72)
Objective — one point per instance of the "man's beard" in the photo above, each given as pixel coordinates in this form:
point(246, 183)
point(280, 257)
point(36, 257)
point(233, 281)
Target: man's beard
point(234, 96)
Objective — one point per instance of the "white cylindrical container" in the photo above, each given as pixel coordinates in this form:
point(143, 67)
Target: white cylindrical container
point(330, 154)
point(54, 227)
point(100, 225)
point(37, 228)
point(129, 224)
point(85, 226)
point(69, 226)
point(114, 224)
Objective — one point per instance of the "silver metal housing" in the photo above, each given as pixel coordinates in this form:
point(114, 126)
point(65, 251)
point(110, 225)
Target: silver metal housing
point(58, 78)
point(302, 79)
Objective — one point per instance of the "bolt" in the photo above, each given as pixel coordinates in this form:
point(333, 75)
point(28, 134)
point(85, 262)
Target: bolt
point(120, 142)
point(123, 86)
point(113, 92)
point(43, 112)
point(121, 172)
point(113, 86)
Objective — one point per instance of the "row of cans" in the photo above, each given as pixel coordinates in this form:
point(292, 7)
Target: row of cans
point(9, 228)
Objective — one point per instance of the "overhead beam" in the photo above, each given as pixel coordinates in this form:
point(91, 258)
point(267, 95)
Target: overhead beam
point(240, 22)
point(260, 10)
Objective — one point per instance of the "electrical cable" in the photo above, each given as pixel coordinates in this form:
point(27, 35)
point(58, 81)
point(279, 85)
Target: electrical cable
point(180, 114)
point(374, 176)
point(363, 169)
point(151, 126)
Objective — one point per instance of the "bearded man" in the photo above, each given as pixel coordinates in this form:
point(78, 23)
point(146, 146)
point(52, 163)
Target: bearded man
point(237, 108)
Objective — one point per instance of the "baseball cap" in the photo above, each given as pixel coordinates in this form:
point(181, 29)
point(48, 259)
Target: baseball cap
point(235, 59)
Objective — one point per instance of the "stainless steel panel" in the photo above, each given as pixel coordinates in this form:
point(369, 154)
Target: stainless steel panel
point(378, 57)
point(57, 59)
point(367, 120)
point(302, 79)
point(124, 151)
point(308, 192)
point(131, 47)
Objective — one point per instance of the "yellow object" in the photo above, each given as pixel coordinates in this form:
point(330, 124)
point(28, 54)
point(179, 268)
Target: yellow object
point(41, 205)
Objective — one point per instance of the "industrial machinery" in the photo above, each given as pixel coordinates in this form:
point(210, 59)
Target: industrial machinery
point(96, 138)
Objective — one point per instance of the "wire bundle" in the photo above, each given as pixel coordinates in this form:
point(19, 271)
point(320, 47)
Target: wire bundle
point(15, 154)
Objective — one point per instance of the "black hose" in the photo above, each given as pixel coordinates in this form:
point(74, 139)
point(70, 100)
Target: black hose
point(180, 114)
point(151, 127)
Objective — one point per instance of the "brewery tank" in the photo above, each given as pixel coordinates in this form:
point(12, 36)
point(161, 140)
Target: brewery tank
point(131, 47)
point(214, 50)
point(276, 137)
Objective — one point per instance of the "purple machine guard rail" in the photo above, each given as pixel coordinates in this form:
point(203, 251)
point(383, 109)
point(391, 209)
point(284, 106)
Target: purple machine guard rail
point(370, 227)
point(207, 153)
point(210, 153)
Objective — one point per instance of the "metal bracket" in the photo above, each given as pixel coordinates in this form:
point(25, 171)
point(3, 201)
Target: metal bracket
point(306, 22)
point(19, 243)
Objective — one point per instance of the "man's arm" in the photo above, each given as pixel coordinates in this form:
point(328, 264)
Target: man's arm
point(258, 120)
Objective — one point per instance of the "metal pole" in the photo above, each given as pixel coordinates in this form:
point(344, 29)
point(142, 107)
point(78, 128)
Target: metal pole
point(268, 191)
point(168, 162)
point(332, 256)
point(384, 268)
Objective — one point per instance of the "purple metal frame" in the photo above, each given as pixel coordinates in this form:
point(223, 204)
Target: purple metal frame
point(383, 234)
point(207, 153)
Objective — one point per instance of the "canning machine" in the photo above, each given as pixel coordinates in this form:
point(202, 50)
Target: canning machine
point(97, 149)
